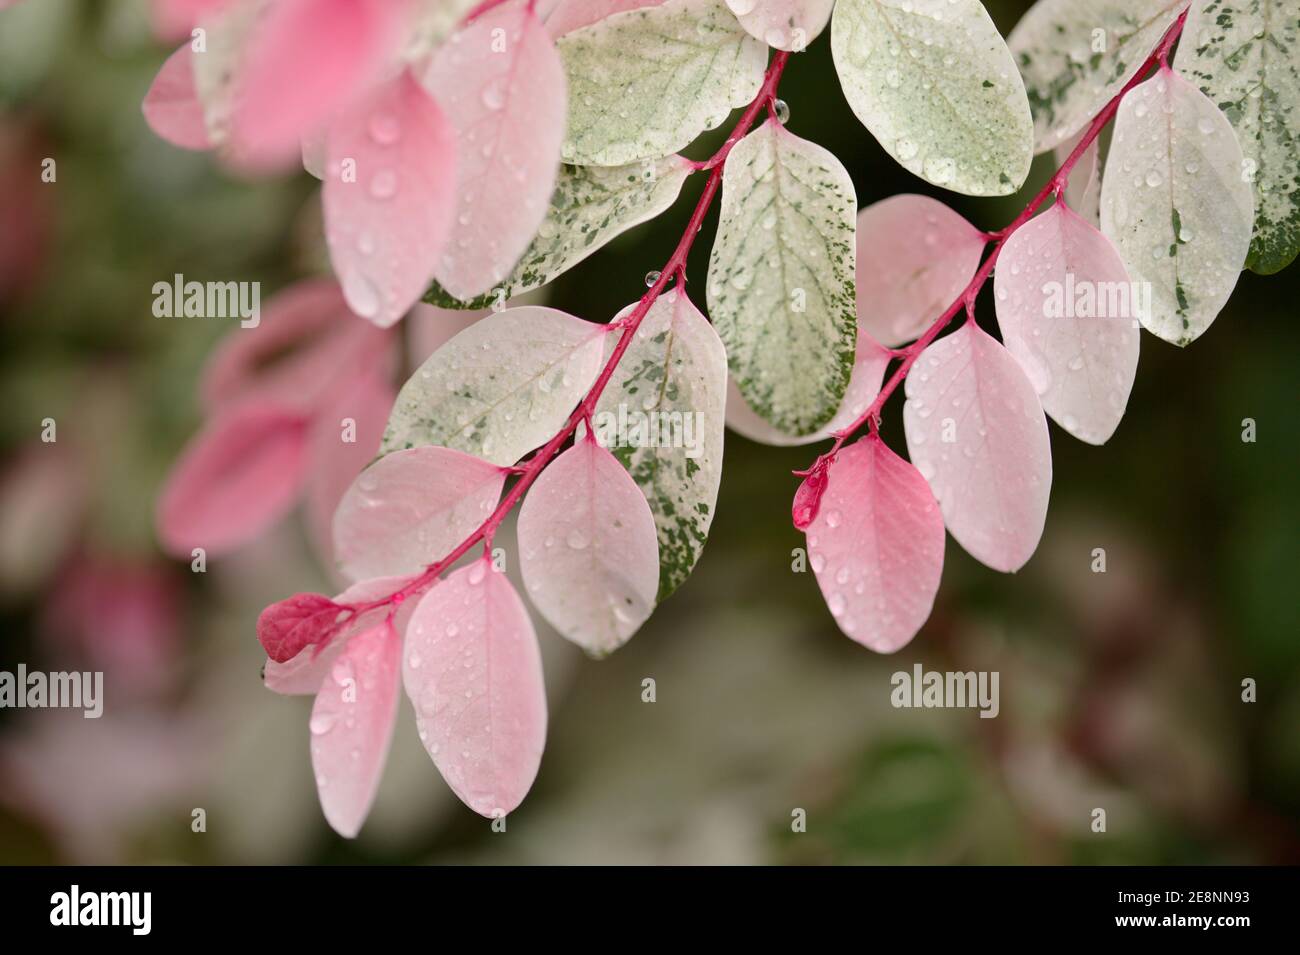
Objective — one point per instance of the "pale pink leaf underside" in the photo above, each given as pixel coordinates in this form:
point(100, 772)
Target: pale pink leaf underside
point(236, 477)
point(387, 224)
point(783, 24)
point(410, 508)
point(352, 725)
point(172, 108)
point(876, 545)
point(588, 550)
point(502, 85)
point(306, 337)
point(307, 60)
point(864, 384)
point(977, 433)
point(343, 440)
point(915, 257)
point(473, 671)
point(1068, 314)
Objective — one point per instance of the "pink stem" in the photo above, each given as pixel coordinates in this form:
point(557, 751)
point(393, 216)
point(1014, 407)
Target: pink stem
point(674, 269)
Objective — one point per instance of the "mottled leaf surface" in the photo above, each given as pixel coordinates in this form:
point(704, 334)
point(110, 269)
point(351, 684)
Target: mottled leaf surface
point(667, 402)
point(935, 83)
point(1175, 203)
point(1075, 55)
point(644, 83)
point(780, 284)
point(501, 387)
point(864, 385)
point(1245, 55)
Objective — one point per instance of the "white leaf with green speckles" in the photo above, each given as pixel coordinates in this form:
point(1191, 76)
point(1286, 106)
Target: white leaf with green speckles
point(644, 83)
point(935, 83)
point(591, 206)
point(1174, 201)
point(500, 388)
point(662, 416)
point(780, 284)
point(1076, 55)
point(1245, 55)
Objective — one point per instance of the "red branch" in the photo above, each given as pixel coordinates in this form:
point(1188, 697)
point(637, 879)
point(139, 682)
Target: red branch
point(966, 300)
point(674, 269)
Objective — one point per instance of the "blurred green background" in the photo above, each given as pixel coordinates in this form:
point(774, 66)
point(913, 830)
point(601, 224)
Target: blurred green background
point(1119, 690)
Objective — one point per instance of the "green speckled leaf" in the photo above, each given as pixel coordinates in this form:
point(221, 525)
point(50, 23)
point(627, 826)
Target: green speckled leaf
point(591, 205)
point(500, 388)
point(1173, 200)
point(780, 284)
point(935, 83)
point(1075, 55)
point(672, 382)
point(1245, 55)
point(644, 83)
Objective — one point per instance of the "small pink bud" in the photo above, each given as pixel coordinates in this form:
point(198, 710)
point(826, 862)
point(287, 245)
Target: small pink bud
point(809, 496)
point(303, 620)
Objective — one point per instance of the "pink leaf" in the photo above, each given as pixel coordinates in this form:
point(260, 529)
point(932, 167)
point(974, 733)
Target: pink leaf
point(352, 726)
point(864, 385)
point(428, 328)
point(410, 508)
point(783, 24)
point(1067, 313)
point(171, 107)
point(570, 15)
point(343, 440)
point(305, 341)
point(915, 257)
point(588, 550)
point(389, 196)
point(307, 61)
point(876, 546)
point(288, 626)
point(237, 477)
point(473, 670)
point(304, 673)
point(502, 85)
point(173, 19)
point(808, 496)
point(976, 432)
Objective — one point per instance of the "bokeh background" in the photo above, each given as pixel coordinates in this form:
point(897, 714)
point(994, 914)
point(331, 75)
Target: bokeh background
point(1119, 690)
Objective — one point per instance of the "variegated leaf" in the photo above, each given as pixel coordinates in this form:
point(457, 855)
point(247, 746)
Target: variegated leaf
point(935, 83)
point(644, 83)
point(662, 416)
point(1245, 56)
point(1075, 55)
point(780, 284)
